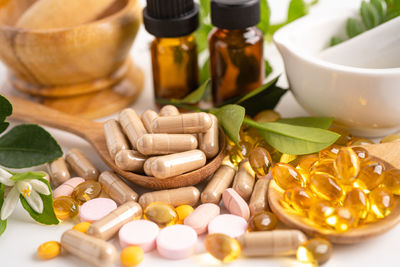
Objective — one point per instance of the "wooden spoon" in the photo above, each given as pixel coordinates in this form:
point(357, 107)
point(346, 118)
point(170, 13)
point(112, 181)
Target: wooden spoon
point(93, 132)
point(388, 152)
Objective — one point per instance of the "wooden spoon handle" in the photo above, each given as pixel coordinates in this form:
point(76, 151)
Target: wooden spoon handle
point(27, 111)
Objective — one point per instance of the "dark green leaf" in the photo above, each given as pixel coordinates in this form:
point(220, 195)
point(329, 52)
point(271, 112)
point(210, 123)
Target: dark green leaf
point(315, 122)
point(268, 68)
point(27, 175)
point(369, 15)
point(179, 105)
point(380, 6)
point(47, 216)
point(297, 9)
point(3, 126)
point(230, 117)
point(393, 9)
point(5, 108)
point(265, 15)
point(28, 145)
point(292, 139)
point(192, 98)
point(205, 71)
point(3, 223)
point(336, 41)
point(354, 27)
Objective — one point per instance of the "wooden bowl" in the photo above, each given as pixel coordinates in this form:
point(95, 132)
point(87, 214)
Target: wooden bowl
point(68, 61)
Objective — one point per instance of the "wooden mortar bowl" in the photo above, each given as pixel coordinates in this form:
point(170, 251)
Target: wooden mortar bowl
point(68, 61)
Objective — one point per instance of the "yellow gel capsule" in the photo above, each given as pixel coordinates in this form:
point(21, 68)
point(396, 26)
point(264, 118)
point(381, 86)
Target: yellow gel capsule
point(390, 138)
point(161, 213)
point(49, 250)
point(222, 247)
point(382, 202)
point(247, 137)
point(131, 256)
point(235, 155)
point(86, 191)
point(298, 198)
point(342, 219)
point(260, 161)
point(267, 116)
point(326, 166)
point(329, 152)
point(65, 208)
point(82, 227)
point(315, 251)
point(183, 211)
point(357, 141)
point(361, 152)
point(263, 221)
point(287, 158)
point(305, 163)
point(371, 175)
point(357, 201)
point(286, 176)
point(325, 186)
point(347, 165)
point(392, 181)
point(319, 211)
point(345, 136)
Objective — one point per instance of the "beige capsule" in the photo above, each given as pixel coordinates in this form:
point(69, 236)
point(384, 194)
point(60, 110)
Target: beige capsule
point(175, 197)
point(178, 163)
point(244, 180)
point(198, 122)
point(132, 125)
point(117, 189)
point(221, 180)
point(161, 144)
point(258, 201)
point(91, 249)
point(169, 110)
point(130, 160)
point(115, 138)
point(58, 171)
point(81, 165)
point(147, 166)
point(109, 225)
point(209, 141)
point(271, 243)
point(147, 118)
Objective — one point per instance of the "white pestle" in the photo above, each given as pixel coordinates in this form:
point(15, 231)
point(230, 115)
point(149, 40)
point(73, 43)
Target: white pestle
point(377, 48)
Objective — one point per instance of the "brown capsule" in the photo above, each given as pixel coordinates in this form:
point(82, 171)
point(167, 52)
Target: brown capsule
point(81, 165)
point(271, 243)
point(178, 163)
point(109, 225)
point(175, 197)
point(88, 248)
point(221, 180)
point(161, 144)
point(244, 180)
point(198, 122)
point(169, 110)
point(130, 160)
point(147, 118)
point(258, 201)
point(58, 171)
point(115, 139)
point(147, 166)
point(132, 125)
point(117, 189)
point(209, 141)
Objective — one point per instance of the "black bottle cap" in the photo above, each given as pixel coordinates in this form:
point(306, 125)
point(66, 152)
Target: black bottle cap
point(235, 14)
point(171, 18)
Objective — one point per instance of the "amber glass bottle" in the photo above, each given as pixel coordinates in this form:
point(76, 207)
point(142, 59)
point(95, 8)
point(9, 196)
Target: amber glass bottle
point(174, 49)
point(236, 48)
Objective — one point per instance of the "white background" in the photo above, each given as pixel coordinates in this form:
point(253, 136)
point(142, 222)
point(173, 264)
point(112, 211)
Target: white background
point(22, 237)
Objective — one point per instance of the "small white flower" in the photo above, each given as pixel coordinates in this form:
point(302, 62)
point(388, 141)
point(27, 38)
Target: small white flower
point(29, 189)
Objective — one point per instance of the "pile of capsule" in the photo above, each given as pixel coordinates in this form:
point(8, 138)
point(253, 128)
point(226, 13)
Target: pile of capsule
point(162, 145)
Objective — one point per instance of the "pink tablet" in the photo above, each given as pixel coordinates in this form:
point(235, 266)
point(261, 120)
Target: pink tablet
point(228, 224)
point(201, 217)
point(95, 209)
point(235, 204)
point(176, 242)
point(66, 188)
point(140, 233)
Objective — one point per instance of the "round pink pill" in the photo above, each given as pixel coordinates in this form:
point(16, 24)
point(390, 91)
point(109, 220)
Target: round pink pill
point(66, 188)
point(228, 224)
point(95, 209)
point(140, 233)
point(235, 204)
point(176, 242)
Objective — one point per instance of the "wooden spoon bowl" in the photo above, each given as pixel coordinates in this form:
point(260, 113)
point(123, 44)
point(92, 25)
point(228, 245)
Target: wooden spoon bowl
point(93, 132)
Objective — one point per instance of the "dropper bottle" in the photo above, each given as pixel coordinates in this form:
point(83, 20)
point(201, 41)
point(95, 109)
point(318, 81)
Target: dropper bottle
point(174, 49)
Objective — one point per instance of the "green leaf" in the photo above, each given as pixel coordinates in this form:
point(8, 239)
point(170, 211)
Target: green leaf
point(205, 71)
point(3, 223)
point(47, 216)
point(205, 6)
point(201, 36)
point(192, 98)
point(230, 117)
point(354, 27)
point(268, 68)
point(5, 108)
point(265, 15)
point(369, 15)
point(315, 122)
point(292, 139)
point(3, 126)
point(336, 41)
point(380, 6)
point(297, 9)
point(28, 145)
point(27, 175)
